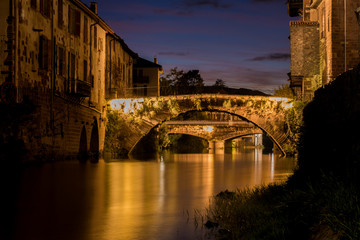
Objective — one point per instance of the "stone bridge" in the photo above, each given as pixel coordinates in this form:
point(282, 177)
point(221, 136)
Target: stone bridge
point(213, 130)
point(138, 116)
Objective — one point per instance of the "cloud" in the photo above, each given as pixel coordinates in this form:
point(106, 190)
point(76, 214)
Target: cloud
point(172, 54)
point(173, 12)
point(272, 57)
point(206, 3)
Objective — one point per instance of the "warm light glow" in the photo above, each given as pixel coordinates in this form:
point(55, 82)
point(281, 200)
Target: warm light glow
point(278, 99)
point(287, 105)
point(208, 129)
point(126, 105)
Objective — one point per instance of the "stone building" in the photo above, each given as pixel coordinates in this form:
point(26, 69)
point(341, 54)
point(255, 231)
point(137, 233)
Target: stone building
point(61, 57)
point(324, 42)
point(120, 61)
point(146, 78)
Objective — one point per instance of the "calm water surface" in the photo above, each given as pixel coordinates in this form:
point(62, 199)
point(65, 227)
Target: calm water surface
point(134, 199)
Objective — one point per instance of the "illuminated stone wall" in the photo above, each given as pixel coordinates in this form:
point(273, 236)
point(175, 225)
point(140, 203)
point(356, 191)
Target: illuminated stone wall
point(119, 65)
point(304, 43)
point(335, 48)
point(59, 66)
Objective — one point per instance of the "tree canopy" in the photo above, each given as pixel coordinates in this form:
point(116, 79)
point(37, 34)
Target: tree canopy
point(178, 82)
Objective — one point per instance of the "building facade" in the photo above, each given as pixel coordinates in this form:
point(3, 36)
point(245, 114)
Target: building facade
point(146, 77)
point(119, 64)
point(324, 42)
point(61, 57)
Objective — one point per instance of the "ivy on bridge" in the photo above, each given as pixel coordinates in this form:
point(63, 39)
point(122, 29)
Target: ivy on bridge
point(139, 115)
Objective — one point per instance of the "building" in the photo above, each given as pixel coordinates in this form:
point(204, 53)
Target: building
point(324, 42)
point(119, 64)
point(61, 57)
point(146, 78)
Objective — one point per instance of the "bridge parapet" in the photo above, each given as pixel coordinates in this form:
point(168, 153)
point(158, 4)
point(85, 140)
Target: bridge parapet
point(142, 114)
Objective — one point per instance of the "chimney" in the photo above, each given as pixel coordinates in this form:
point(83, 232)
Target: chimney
point(155, 60)
point(93, 7)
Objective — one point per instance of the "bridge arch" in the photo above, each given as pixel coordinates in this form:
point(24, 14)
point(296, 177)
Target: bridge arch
point(142, 115)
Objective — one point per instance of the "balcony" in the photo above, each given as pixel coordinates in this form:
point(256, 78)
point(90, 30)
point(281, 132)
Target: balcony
point(80, 88)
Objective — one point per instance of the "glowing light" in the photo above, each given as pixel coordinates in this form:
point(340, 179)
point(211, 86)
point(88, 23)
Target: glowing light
point(279, 99)
point(287, 105)
point(208, 129)
point(126, 105)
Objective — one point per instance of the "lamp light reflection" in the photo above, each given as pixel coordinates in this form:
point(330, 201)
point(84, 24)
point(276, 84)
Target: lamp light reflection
point(208, 129)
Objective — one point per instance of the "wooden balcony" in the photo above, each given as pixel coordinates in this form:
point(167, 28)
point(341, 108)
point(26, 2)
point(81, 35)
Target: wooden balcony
point(80, 88)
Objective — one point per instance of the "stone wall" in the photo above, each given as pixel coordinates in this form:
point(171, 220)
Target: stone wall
point(47, 137)
point(304, 44)
point(345, 54)
point(59, 68)
point(337, 44)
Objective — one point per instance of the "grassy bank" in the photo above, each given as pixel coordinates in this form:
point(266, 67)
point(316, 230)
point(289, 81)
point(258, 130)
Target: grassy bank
point(328, 210)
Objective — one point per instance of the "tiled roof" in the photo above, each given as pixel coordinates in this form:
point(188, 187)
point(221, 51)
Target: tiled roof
point(143, 63)
point(294, 23)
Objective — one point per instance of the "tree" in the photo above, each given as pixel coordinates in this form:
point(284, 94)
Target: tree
point(219, 83)
point(284, 91)
point(180, 82)
point(168, 82)
point(193, 82)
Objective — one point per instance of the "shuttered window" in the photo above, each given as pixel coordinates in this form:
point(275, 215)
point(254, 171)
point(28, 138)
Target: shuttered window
point(86, 31)
point(85, 71)
point(62, 63)
point(74, 21)
point(60, 14)
point(44, 53)
point(95, 37)
point(45, 7)
point(33, 4)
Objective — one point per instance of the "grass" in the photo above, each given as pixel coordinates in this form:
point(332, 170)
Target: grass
point(327, 210)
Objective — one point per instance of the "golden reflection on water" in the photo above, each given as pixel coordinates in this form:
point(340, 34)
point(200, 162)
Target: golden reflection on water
point(134, 199)
point(151, 200)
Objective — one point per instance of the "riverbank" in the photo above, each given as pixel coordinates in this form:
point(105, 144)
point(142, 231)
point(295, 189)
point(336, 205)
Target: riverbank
point(322, 199)
point(328, 210)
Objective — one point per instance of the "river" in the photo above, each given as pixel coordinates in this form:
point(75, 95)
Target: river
point(134, 198)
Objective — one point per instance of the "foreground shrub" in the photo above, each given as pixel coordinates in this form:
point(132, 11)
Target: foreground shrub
point(330, 208)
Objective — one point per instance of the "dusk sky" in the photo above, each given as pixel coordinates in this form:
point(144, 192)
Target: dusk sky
point(243, 42)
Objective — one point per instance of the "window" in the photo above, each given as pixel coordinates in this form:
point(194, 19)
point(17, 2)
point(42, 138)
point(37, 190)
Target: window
point(33, 4)
point(71, 86)
point(62, 65)
point(85, 30)
point(45, 7)
point(74, 21)
point(60, 14)
point(44, 51)
point(100, 43)
point(95, 37)
point(85, 71)
point(322, 34)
